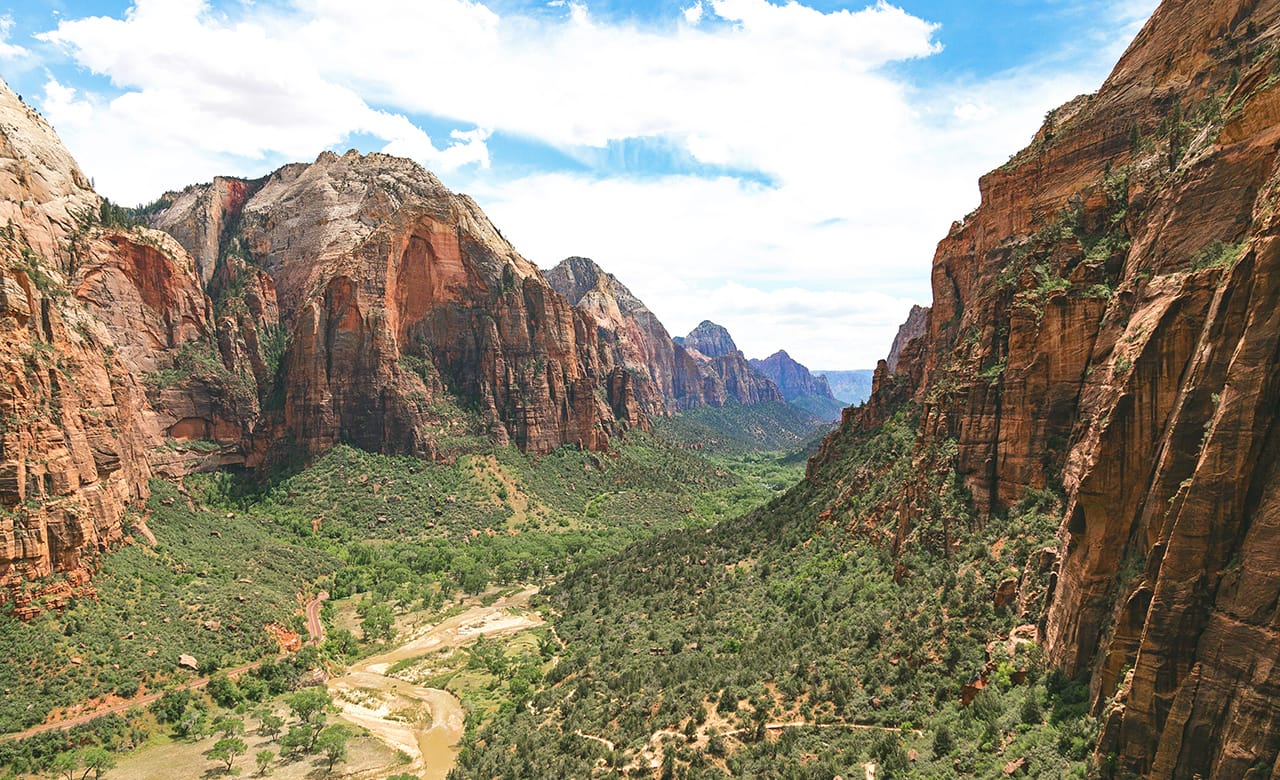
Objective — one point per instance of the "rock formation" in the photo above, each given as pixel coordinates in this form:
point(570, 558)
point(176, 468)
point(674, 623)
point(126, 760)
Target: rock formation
point(632, 335)
point(354, 299)
point(713, 371)
point(73, 416)
point(849, 387)
point(703, 369)
point(396, 299)
point(709, 340)
point(1105, 325)
point(798, 386)
point(914, 327)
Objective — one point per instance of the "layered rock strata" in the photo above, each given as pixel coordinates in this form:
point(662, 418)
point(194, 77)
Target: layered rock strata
point(1104, 327)
point(704, 368)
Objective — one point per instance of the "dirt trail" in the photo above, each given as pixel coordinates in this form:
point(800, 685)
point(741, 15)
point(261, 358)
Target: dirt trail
point(425, 723)
point(653, 753)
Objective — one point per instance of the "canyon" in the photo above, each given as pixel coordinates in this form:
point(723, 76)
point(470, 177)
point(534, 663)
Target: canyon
point(1103, 337)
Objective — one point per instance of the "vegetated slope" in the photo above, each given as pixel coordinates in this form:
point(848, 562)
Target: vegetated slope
point(808, 638)
point(1103, 345)
point(741, 429)
point(235, 551)
point(208, 589)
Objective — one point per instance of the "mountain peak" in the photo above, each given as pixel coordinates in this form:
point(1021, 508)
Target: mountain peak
point(710, 339)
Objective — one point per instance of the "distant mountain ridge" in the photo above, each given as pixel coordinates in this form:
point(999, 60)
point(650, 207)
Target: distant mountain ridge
point(704, 368)
point(849, 387)
point(799, 386)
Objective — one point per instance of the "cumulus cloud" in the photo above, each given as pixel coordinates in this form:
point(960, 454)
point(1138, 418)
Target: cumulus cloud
point(9, 51)
point(864, 169)
point(224, 91)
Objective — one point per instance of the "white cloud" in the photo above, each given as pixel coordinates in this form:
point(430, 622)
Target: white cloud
point(9, 51)
point(223, 92)
point(866, 170)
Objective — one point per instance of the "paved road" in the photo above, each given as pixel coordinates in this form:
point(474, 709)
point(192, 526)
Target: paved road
point(314, 628)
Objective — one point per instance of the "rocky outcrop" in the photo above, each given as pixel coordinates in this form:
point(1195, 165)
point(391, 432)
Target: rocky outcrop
point(709, 340)
point(849, 387)
point(630, 334)
point(1104, 326)
point(667, 375)
point(798, 386)
point(204, 219)
point(397, 300)
point(914, 327)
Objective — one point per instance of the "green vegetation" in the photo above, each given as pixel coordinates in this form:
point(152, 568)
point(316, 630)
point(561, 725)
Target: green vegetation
point(235, 552)
point(1217, 254)
point(738, 429)
point(819, 406)
point(795, 639)
point(199, 360)
point(154, 603)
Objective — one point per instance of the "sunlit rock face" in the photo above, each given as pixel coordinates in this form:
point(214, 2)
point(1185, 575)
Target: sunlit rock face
point(1105, 325)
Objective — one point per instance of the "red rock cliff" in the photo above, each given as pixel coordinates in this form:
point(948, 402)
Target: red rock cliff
point(75, 424)
point(1105, 325)
point(396, 299)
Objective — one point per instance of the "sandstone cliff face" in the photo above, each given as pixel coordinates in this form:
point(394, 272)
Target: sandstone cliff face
point(915, 326)
point(1105, 325)
point(396, 298)
point(72, 438)
point(354, 299)
point(703, 369)
point(631, 336)
point(709, 340)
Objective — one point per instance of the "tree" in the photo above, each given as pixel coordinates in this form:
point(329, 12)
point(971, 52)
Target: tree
point(270, 726)
point(307, 705)
point(191, 724)
point(170, 707)
point(229, 726)
point(223, 690)
point(64, 765)
point(263, 757)
point(296, 740)
point(379, 623)
point(227, 750)
point(332, 742)
point(942, 742)
point(96, 760)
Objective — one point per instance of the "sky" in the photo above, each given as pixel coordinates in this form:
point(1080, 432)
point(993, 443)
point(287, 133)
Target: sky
point(783, 169)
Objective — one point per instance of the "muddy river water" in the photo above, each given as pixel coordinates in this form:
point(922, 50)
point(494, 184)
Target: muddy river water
point(425, 723)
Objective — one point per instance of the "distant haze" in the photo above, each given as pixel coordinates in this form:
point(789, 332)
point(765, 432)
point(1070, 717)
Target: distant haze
point(851, 387)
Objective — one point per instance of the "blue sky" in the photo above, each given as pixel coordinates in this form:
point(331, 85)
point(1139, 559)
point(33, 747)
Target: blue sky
point(782, 169)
